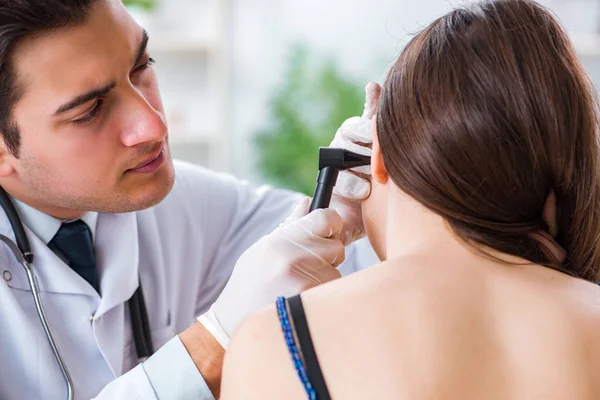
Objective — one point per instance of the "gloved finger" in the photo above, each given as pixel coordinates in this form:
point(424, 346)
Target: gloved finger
point(300, 211)
point(325, 223)
point(373, 94)
point(330, 252)
point(341, 143)
point(351, 214)
point(355, 148)
point(314, 276)
point(356, 129)
point(333, 250)
point(330, 274)
point(351, 234)
point(352, 187)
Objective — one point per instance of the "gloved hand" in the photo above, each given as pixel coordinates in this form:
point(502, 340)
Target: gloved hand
point(301, 253)
point(353, 186)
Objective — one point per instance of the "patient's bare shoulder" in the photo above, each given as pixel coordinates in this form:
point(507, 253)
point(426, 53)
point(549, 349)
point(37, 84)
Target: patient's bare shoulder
point(402, 326)
point(466, 327)
point(257, 363)
point(413, 329)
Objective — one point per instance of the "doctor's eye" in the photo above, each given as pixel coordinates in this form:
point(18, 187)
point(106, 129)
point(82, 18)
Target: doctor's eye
point(145, 65)
point(92, 114)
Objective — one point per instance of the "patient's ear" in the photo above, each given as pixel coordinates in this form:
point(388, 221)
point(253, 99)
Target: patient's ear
point(378, 171)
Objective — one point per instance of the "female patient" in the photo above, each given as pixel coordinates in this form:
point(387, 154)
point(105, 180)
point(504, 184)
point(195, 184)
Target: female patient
point(485, 209)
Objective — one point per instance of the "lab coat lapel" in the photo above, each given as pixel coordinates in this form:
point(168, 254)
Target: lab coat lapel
point(116, 245)
point(53, 275)
point(117, 259)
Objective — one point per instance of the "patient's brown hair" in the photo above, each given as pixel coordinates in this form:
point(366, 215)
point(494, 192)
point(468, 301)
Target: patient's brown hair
point(485, 113)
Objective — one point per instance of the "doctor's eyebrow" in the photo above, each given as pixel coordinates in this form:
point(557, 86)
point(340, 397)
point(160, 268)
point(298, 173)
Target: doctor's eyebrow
point(103, 90)
point(141, 48)
point(84, 98)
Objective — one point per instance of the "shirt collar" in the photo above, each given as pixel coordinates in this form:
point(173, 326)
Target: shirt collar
point(45, 226)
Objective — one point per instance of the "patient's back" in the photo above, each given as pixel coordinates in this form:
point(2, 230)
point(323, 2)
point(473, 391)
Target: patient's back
point(457, 328)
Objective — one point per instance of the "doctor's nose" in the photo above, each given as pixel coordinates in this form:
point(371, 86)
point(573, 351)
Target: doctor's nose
point(144, 124)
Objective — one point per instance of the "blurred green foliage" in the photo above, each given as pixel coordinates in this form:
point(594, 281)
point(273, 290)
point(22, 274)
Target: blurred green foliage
point(144, 4)
point(305, 112)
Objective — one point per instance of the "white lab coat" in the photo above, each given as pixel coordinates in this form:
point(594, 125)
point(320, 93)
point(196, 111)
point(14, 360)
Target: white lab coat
point(183, 250)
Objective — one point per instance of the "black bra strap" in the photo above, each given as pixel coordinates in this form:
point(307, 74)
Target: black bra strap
point(313, 369)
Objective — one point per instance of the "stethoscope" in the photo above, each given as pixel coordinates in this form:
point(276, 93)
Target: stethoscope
point(23, 254)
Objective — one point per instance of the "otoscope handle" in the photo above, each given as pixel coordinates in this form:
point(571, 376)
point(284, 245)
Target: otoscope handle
point(325, 183)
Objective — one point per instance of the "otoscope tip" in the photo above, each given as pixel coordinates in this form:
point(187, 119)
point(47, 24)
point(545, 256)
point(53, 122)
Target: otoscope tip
point(341, 158)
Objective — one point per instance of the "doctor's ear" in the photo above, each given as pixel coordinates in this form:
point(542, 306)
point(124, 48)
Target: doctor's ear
point(6, 159)
point(378, 171)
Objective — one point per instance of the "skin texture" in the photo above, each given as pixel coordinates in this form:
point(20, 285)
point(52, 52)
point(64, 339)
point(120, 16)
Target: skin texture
point(66, 168)
point(374, 212)
point(207, 354)
point(436, 320)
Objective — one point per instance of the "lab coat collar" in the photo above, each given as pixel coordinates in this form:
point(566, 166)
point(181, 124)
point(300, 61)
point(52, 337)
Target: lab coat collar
point(53, 275)
point(116, 258)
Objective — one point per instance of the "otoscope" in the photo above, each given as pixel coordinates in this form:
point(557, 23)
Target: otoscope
point(331, 162)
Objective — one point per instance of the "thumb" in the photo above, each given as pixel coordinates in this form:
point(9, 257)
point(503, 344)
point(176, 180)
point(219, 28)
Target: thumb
point(373, 93)
point(325, 223)
point(300, 211)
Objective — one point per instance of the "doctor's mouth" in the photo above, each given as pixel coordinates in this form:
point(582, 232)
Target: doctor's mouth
point(152, 163)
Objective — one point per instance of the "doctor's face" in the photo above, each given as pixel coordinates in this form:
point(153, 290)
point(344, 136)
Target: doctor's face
point(92, 126)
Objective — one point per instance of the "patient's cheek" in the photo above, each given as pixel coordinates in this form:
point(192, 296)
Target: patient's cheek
point(374, 212)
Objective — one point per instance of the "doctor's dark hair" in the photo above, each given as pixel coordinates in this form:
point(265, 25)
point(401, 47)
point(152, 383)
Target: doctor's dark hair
point(20, 19)
point(486, 112)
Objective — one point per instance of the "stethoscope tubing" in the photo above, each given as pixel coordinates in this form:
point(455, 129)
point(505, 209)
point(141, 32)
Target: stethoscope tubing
point(40, 311)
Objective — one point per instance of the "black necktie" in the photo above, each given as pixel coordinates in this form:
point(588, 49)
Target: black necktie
point(73, 243)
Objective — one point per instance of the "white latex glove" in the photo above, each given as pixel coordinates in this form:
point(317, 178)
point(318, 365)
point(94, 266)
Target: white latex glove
point(302, 252)
point(356, 135)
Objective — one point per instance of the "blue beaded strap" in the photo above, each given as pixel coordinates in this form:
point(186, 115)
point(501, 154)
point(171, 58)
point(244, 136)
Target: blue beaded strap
point(288, 333)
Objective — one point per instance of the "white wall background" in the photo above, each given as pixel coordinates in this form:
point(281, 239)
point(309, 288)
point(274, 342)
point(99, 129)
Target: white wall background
point(363, 36)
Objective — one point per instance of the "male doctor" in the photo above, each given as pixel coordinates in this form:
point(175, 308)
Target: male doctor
point(85, 160)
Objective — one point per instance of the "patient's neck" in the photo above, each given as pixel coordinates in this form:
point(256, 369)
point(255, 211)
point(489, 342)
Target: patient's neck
point(412, 228)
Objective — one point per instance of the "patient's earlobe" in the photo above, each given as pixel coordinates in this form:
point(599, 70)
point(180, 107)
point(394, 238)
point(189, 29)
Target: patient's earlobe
point(378, 171)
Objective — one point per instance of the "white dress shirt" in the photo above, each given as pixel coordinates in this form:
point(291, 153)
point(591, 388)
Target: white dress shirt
point(45, 226)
